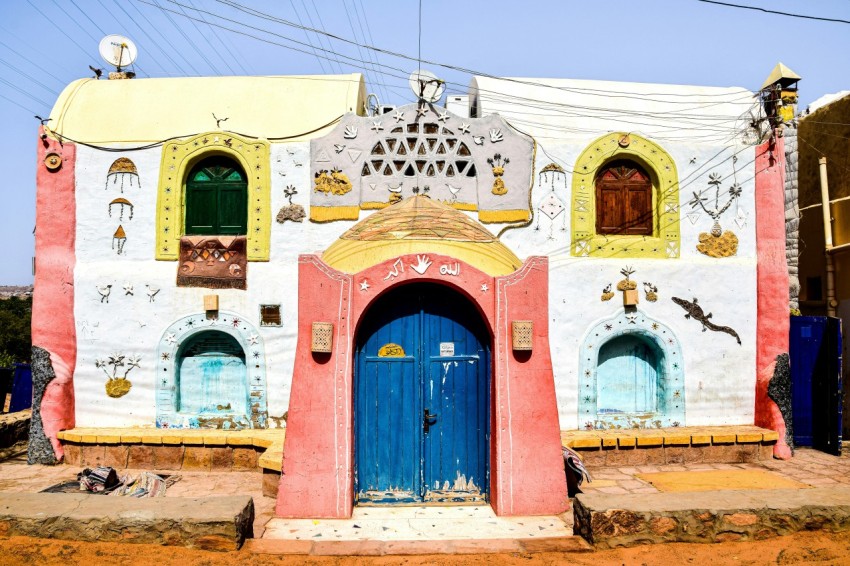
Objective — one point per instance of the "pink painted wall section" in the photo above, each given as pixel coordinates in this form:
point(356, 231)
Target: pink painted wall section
point(316, 472)
point(527, 465)
point(527, 475)
point(53, 298)
point(773, 310)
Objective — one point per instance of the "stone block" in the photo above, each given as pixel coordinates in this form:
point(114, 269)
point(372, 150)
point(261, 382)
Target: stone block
point(167, 457)
point(209, 523)
point(116, 456)
point(92, 455)
point(222, 458)
point(140, 457)
point(73, 453)
point(197, 458)
point(654, 455)
point(675, 454)
point(245, 458)
point(271, 480)
point(766, 450)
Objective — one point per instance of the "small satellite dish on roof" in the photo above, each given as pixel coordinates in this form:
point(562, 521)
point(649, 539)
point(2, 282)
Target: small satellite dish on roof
point(118, 51)
point(426, 86)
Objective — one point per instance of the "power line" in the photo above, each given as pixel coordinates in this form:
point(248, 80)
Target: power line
point(165, 40)
point(307, 36)
point(203, 35)
point(145, 33)
point(238, 60)
point(766, 11)
point(57, 26)
point(189, 42)
point(319, 37)
point(372, 54)
point(30, 110)
point(33, 63)
point(250, 11)
point(22, 91)
point(30, 77)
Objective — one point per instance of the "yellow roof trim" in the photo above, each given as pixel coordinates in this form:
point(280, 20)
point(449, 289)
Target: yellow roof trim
point(153, 110)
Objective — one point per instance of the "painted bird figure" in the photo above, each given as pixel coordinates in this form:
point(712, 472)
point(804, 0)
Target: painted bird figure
point(152, 291)
point(104, 291)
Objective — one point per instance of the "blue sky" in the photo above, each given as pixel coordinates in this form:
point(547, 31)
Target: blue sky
point(45, 44)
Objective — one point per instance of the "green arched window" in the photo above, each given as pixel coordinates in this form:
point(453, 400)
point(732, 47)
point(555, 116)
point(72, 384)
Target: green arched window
point(216, 198)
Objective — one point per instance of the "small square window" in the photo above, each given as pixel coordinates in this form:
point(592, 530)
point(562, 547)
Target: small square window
point(270, 315)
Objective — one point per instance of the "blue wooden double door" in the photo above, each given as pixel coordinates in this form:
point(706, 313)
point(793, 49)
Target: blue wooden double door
point(422, 399)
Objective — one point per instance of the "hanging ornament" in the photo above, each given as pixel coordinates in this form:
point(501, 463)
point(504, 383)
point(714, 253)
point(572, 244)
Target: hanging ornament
point(119, 238)
point(123, 170)
point(121, 202)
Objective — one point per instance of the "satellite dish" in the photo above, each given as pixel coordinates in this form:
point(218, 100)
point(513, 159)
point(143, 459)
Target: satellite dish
point(118, 51)
point(426, 86)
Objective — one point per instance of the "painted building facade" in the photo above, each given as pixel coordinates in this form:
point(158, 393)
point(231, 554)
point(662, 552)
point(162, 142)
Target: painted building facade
point(424, 298)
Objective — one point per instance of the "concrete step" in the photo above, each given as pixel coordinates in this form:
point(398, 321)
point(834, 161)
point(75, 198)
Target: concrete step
point(613, 520)
point(208, 523)
point(418, 530)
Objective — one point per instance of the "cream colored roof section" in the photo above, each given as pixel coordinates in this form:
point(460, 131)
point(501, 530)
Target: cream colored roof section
point(151, 110)
point(571, 108)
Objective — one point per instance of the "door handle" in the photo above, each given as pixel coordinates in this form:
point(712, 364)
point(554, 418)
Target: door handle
point(428, 419)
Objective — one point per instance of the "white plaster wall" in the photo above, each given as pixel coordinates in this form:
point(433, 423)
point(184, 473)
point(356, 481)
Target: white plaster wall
point(133, 325)
point(719, 374)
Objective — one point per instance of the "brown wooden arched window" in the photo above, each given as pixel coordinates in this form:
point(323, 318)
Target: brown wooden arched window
point(624, 200)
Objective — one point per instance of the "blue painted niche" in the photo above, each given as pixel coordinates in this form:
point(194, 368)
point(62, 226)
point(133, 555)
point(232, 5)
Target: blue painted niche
point(211, 373)
point(631, 374)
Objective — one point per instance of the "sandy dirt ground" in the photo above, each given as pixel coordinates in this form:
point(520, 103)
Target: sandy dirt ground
point(801, 548)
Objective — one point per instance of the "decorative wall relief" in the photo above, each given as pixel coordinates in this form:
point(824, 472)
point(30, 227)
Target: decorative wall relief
point(104, 291)
point(385, 159)
point(333, 182)
point(214, 262)
point(693, 310)
point(119, 238)
point(123, 172)
point(497, 163)
point(717, 243)
point(118, 386)
point(121, 203)
point(151, 292)
point(651, 292)
point(292, 212)
point(629, 289)
point(552, 207)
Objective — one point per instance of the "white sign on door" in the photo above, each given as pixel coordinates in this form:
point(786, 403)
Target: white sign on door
point(447, 348)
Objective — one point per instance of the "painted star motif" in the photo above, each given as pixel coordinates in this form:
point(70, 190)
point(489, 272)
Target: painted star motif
point(255, 354)
point(484, 288)
point(398, 117)
point(655, 326)
point(128, 289)
point(376, 126)
point(632, 318)
point(609, 327)
point(253, 339)
point(190, 323)
point(364, 285)
point(421, 111)
point(171, 339)
point(235, 322)
point(444, 117)
point(464, 128)
point(165, 356)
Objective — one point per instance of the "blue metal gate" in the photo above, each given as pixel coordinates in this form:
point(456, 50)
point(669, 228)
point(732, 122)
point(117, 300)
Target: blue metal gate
point(816, 388)
point(422, 390)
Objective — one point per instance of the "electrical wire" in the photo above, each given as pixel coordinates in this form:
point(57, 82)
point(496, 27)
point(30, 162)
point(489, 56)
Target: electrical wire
point(189, 42)
point(239, 60)
point(33, 63)
point(318, 37)
point(165, 40)
point(144, 31)
point(57, 26)
point(306, 36)
point(206, 39)
point(766, 11)
point(30, 110)
point(152, 145)
point(30, 77)
point(362, 63)
point(372, 55)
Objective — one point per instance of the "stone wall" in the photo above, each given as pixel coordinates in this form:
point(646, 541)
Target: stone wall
point(792, 213)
